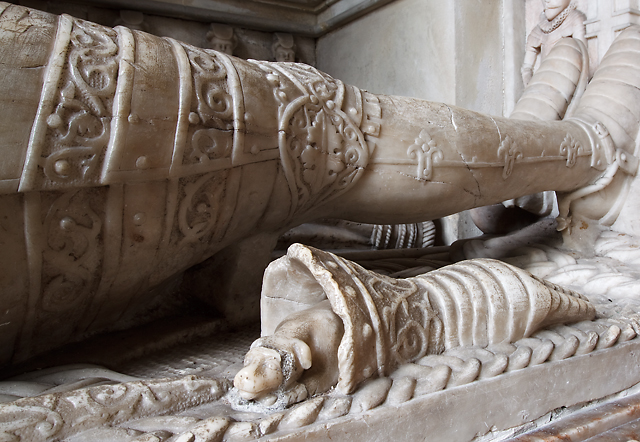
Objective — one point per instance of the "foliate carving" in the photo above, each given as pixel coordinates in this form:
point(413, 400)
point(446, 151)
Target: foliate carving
point(211, 107)
point(200, 208)
point(214, 102)
point(396, 316)
point(210, 133)
point(204, 207)
point(426, 151)
point(73, 251)
point(571, 148)
point(41, 422)
point(408, 318)
point(61, 415)
point(80, 122)
point(322, 148)
point(73, 134)
point(280, 85)
point(210, 144)
point(510, 152)
point(66, 241)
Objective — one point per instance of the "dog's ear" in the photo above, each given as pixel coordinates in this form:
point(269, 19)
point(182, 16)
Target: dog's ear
point(303, 353)
point(260, 354)
point(295, 346)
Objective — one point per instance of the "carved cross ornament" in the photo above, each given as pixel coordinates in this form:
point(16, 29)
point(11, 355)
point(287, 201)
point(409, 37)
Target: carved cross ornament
point(570, 147)
point(510, 151)
point(426, 151)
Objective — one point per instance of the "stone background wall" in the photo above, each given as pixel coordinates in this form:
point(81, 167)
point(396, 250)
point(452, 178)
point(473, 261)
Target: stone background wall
point(454, 52)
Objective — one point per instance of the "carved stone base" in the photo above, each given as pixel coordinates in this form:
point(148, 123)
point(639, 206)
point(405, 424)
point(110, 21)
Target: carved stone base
point(491, 407)
point(472, 410)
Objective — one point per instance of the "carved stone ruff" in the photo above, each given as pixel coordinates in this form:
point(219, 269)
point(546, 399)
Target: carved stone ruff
point(549, 26)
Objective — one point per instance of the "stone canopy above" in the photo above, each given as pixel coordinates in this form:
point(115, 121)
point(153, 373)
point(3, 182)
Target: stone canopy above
point(303, 17)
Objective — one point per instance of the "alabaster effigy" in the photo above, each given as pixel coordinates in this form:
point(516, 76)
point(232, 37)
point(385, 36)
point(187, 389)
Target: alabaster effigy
point(123, 169)
point(128, 158)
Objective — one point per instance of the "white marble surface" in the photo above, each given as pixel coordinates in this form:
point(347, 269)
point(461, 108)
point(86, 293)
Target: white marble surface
point(112, 183)
point(169, 159)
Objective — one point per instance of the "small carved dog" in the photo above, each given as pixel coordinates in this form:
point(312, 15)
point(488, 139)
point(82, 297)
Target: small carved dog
point(471, 303)
point(300, 358)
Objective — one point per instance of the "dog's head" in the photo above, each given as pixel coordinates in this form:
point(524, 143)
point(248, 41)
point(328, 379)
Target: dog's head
point(270, 364)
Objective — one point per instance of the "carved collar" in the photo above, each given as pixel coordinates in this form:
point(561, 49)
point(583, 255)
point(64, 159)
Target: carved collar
point(549, 26)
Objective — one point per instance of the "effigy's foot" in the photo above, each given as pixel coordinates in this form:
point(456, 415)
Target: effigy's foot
point(609, 106)
point(72, 205)
point(552, 93)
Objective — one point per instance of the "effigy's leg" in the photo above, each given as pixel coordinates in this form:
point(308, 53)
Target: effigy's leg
point(553, 92)
point(128, 158)
point(541, 156)
point(443, 160)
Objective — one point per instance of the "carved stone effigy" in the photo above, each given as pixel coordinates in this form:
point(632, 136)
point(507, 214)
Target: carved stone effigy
point(127, 167)
point(553, 92)
point(532, 374)
point(560, 19)
point(115, 125)
point(128, 158)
